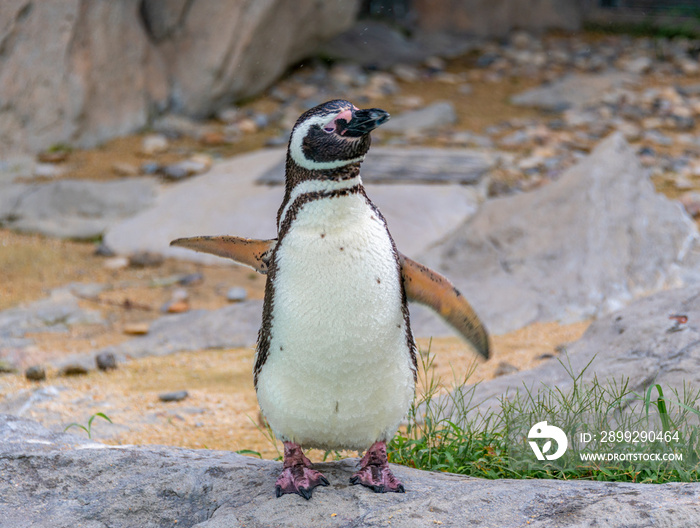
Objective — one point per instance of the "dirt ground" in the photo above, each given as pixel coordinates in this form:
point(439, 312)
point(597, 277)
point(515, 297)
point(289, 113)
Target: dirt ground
point(221, 410)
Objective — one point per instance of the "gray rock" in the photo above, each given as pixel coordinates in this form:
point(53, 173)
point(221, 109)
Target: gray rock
point(11, 195)
point(640, 342)
point(236, 294)
point(106, 361)
point(638, 65)
point(15, 165)
point(227, 201)
point(374, 44)
point(73, 369)
point(183, 169)
point(60, 82)
point(145, 259)
point(35, 373)
point(575, 90)
point(73, 208)
point(6, 367)
point(191, 279)
point(233, 326)
point(582, 246)
point(54, 314)
point(173, 396)
point(22, 402)
point(414, 165)
point(175, 126)
point(48, 170)
point(89, 290)
point(61, 480)
point(657, 138)
point(436, 115)
point(154, 144)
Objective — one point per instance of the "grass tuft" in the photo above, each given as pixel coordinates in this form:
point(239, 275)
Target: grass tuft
point(446, 430)
point(88, 429)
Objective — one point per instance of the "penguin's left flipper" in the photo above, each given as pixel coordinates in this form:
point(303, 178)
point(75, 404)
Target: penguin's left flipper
point(428, 287)
point(247, 251)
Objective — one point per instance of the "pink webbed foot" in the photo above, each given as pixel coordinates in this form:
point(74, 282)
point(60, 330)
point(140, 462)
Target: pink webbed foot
point(297, 475)
point(375, 473)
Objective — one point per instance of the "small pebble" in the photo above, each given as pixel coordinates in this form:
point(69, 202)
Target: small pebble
point(175, 307)
point(236, 294)
point(73, 369)
point(180, 294)
point(504, 369)
point(145, 259)
point(247, 126)
point(191, 279)
point(124, 169)
point(173, 396)
point(35, 373)
point(136, 328)
point(691, 203)
point(189, 167)
point(54, 156)
point(6, 367)
point(116, 263)
point(154, 144)
point(465, 89)
point(106, 361)
point(228, 114)
point(150, 167)
point(406, 73)
point(103, 250)
point(48, 170)
point(213, 139)
point(175, 172)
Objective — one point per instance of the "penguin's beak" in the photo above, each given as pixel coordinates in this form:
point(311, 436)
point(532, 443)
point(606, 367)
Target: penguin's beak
point(364, 121)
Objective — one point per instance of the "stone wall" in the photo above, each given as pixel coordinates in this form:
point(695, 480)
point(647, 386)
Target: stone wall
point(82, 71)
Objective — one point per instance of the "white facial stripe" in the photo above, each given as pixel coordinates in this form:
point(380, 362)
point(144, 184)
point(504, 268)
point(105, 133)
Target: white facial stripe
point(297, 152)
point(313, 186)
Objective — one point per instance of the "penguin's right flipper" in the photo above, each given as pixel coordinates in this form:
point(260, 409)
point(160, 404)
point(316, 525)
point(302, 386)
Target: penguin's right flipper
point(428, 287)
point(247, 251)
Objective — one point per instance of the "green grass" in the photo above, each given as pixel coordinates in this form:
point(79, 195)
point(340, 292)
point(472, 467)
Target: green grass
point(88, 429)
point(447, 432)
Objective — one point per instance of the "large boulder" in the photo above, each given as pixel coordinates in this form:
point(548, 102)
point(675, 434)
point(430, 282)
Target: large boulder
point(82, 72)
point(75, 71)
point(60, 480)
point(79, 209)
point(580, 247)
point(641, 343)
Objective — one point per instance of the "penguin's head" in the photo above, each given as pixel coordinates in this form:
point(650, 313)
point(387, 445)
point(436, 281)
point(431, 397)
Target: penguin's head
point(333, 134)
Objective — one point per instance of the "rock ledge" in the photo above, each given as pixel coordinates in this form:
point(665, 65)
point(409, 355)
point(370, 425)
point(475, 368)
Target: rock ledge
point(61, 480)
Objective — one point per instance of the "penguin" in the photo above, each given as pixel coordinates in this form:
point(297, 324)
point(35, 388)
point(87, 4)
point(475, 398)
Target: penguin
point(335, 364)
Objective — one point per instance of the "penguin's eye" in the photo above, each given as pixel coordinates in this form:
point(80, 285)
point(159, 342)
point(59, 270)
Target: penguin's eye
point(330, 128)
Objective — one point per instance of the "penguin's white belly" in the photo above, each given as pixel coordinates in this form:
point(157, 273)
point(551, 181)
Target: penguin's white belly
point(339, 371)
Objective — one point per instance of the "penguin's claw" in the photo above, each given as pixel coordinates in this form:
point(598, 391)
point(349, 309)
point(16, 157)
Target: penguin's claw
point(375, 473)
point(300, 480)
point(297, 476)
point(378, 479)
